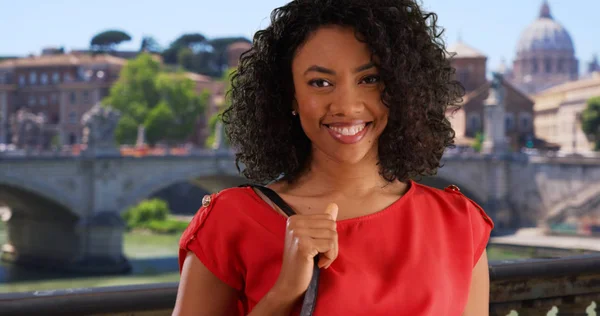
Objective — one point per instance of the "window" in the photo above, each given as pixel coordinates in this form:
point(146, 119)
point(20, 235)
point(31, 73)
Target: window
point(548, 65)
point(561, 65)
point(525, 121)
point(463, 77)
point(67, 77)
point(474, 123)
point(73, 97)
point(44, 79)
point(534, 66)
point(22, 80)
point(32, 77)
point(43, 100)
point(86, 96)
point(73, 117)
point(72, 139)
point(54, 98)
point(55, 78)
point(509, 122)
point(31, 100)
point(104, 92)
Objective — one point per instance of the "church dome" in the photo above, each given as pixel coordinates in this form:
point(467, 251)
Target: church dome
point(545, 34)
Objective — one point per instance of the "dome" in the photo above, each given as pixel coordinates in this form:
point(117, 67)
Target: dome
point(545, 34)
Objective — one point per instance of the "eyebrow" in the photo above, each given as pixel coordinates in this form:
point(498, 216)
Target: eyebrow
point(328, 71)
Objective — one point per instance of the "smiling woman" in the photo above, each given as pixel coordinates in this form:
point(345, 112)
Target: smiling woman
point(336, 108)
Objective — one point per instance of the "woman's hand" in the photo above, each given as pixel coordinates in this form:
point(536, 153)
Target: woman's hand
point(306, 236)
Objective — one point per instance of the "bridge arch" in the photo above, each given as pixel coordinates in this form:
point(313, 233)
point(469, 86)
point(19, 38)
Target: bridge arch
point(35, 197)
point(209, 179)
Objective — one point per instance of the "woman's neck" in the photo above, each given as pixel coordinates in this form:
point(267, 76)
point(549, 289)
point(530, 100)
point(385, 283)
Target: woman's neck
point(353, 179)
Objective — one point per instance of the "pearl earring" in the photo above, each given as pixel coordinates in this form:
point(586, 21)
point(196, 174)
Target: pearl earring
point(294, 113)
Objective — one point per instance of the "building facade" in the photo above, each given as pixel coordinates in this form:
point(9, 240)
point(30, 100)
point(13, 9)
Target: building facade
point(58, 87)
point(558, 113)
point(53, 91)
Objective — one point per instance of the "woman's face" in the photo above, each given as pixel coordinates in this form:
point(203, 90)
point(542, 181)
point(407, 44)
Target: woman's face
point(338, 95)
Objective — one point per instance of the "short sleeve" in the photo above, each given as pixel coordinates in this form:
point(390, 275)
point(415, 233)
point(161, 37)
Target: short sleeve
point(481, 228)
point(213, 236)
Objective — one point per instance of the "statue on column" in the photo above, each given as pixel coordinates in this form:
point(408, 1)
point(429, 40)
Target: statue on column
point(28, 130)
point(494, 109)
point(99, 125)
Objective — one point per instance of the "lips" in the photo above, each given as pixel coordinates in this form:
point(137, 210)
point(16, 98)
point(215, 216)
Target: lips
point(348, 132)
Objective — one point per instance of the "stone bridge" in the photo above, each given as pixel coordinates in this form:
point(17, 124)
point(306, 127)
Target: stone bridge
point(76, 201)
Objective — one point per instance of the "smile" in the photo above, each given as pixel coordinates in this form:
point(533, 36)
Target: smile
point(348, 133)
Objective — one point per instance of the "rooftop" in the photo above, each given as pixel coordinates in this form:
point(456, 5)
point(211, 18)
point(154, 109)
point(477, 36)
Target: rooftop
point(62, 60)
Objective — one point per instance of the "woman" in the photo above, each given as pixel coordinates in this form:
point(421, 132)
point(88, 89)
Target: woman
point(338, 105)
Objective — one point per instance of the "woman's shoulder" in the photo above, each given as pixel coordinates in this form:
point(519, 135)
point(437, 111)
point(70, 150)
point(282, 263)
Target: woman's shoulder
point(227, 205)
point(452, 200)
point(234, 195)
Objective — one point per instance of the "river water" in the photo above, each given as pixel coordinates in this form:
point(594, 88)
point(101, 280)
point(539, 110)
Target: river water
point(153, 258)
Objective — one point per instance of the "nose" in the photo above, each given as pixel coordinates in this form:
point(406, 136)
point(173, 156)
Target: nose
point(348, 100)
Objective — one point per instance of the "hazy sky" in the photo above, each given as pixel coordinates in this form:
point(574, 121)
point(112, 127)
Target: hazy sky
point(491, 26)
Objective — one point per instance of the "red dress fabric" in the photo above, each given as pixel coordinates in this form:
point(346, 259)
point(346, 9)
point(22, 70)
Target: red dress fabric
point(413, 258)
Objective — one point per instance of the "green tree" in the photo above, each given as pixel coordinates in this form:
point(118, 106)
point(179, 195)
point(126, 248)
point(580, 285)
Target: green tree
point(215, 118)
point(219, 56)
point(107, 40)
point(189, 40)
point(159, 119)
point(478, 144)
point(165, 103)
point(150, 45)
point(590, 121)
point(196, 53)
point(186, 58)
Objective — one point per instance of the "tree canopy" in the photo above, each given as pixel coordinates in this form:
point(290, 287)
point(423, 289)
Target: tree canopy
point(107, 40)
point(194, 52)
point(186, 41)
point(149, 44)
point(165, 103)
point(590, 121)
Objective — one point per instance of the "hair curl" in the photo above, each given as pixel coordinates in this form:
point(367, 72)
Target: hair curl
point(413, 65)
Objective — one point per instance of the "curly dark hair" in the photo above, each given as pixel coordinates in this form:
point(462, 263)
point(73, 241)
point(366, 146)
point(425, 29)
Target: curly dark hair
point(413, 64)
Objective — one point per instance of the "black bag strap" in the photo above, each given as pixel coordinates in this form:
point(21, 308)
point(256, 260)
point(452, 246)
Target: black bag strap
point(310, 297)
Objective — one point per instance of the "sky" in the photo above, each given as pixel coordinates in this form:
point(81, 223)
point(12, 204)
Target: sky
point(491, 26)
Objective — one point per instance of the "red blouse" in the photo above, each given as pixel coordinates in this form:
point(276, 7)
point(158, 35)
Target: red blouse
point(427, 245)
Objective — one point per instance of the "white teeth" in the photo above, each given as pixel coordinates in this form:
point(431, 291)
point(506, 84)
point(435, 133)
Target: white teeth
point(348, 131)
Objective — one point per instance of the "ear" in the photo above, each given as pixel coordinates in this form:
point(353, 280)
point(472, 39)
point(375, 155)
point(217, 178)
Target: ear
point(294, 105)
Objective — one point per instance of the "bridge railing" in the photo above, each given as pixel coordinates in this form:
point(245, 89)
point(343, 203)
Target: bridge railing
point(569, 285)
point(125, 151)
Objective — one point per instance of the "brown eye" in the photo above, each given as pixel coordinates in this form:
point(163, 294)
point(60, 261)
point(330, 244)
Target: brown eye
point(370, 79)
point(319, 83)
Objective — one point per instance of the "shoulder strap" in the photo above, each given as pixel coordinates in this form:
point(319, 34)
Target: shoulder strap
point(273, 196)
point(310, 297)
